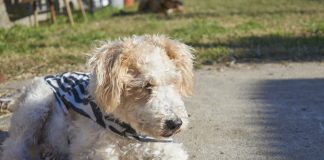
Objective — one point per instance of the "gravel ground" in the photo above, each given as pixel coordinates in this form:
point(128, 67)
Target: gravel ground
point(253, 111)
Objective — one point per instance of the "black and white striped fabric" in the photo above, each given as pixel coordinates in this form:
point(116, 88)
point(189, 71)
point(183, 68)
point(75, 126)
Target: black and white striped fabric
point(70, 90)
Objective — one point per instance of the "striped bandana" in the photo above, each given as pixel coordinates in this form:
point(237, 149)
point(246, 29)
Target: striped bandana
point(70, 90)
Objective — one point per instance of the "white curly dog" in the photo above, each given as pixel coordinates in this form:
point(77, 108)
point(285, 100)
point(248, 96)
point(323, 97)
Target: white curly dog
point(126, 108)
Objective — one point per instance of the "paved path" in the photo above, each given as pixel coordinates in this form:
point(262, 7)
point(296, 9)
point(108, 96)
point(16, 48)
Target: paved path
point(263, 111)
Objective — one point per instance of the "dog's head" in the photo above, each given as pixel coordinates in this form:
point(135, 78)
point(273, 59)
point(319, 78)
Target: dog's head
point(141, 80)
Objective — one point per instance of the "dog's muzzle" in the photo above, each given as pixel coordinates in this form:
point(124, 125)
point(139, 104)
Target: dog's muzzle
point(171, 127)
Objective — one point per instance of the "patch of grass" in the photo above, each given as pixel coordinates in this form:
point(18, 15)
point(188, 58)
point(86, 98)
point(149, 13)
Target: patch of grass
point(19, 40)
point(315, 27)
point(198, 30)
point(85, 38)
point(248, 26)
point(213, 55)
point(219, 30)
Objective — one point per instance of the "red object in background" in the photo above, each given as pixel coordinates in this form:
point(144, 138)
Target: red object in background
point(128, 3)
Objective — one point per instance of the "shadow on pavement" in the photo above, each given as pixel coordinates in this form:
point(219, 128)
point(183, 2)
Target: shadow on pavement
point(3, 136)
point(291, 118)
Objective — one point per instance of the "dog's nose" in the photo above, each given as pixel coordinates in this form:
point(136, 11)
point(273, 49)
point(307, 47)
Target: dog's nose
point(173, 124)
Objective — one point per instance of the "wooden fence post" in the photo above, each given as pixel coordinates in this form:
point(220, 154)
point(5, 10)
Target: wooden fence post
point(82, 9)
point(68, 10)
point(52, 9)
point(35, 12)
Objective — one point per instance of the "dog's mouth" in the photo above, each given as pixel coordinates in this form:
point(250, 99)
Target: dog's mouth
point(169, 133)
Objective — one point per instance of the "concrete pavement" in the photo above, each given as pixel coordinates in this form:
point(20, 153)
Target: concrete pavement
point(255, 111)
point(264, 111)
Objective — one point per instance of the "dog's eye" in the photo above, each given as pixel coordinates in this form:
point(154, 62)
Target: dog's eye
point(148, 86)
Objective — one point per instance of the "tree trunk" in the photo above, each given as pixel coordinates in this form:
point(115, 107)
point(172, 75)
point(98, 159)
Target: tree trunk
point(4, 19)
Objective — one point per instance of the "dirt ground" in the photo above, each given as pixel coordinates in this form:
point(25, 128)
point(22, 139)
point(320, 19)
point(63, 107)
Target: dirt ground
point(253, 111)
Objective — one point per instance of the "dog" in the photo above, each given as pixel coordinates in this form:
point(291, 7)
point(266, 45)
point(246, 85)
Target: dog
point(160, 6)
point(126, 108)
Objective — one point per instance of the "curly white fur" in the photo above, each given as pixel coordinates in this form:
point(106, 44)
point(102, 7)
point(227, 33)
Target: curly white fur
point(140, 80)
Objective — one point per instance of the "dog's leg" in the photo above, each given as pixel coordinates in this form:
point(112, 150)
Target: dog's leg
point(91, 142)
point(121, 150)
point(27, 123)
point(157, 151)
point(173, 151)
point(97, 154)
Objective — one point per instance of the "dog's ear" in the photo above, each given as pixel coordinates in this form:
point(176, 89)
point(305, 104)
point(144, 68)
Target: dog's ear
point(181, 55)
point(109, 69)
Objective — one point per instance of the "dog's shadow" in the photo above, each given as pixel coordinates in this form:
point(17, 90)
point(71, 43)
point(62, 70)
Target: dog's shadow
point(4, 126)
point(3, 136)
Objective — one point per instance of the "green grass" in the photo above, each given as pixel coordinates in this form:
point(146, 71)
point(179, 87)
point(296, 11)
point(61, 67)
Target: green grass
point(219, 30)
